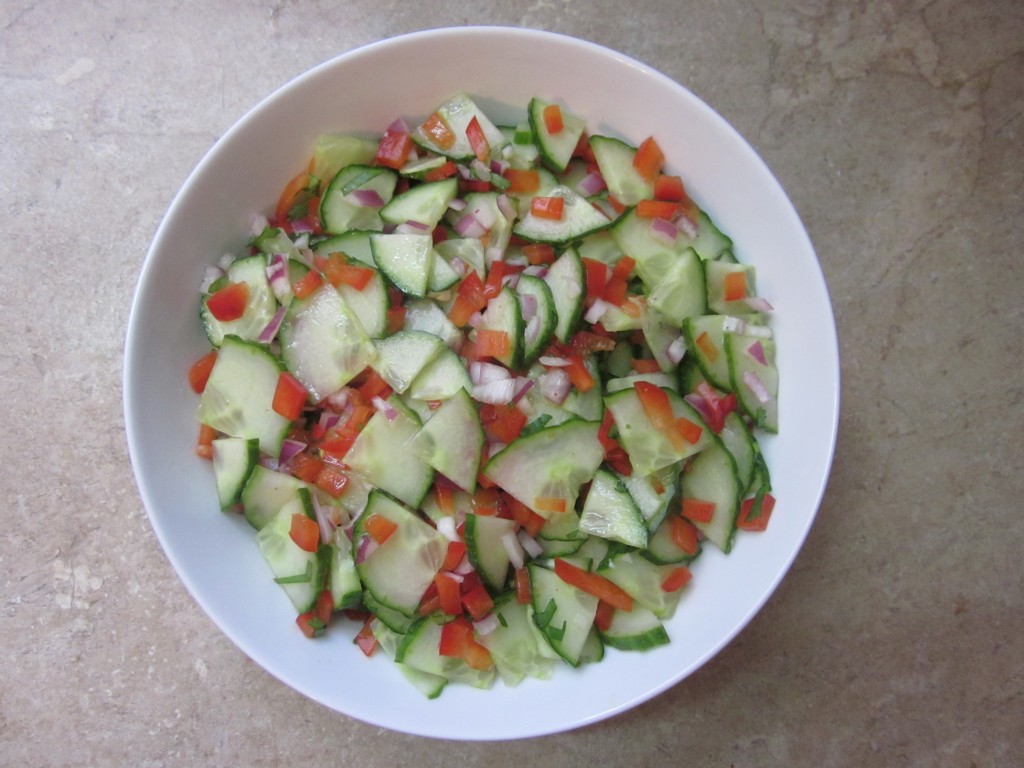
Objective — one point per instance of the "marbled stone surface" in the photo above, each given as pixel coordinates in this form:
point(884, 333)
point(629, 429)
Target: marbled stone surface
point(896, 127)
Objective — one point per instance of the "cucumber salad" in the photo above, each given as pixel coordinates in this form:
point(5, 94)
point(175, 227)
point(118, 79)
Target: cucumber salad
point(485, 391)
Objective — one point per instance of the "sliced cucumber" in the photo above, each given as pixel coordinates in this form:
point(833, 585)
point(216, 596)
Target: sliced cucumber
point(467, 249)
point(649, 448)
point(332, 152)
point(716, 273)
point(442, 377)
point(344, 583)
point(424, 204)
point(265, 492)
point(641, 579)
point(341, 211)
point(452, 440)
point(712, 477)
point(323, 343)
point(419, 649)
point(426, 315)
point(457, 113)
point(539, 325)
point(556, 149)
point(300, 573)
point(403, 355)
point(259, 307)
point(518, 649)
point(615, 159)
point(355, 243)
point(610, 512)
point(398, 572)
point(369, 305)
point(653, 493)
point(567, 279)
point(239, 395)
point(756, 384)
point(503, 314)
point(406, 260)
point(738, 440)
point(563, 613)
point(381, 455)
point(488, 555)
point(708, 351)
point(234, 459)
point(636, 630)
point(680, 293)
point(579, 219)
point(549, 464)
point(661, 336)
point(663, 550)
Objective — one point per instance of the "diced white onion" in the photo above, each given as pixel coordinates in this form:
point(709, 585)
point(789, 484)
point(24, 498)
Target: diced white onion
point(756, 386)
point(555, 385)
point(494, 392)
point(385, 408)
point(529, 544)
point(758, 304)
point(664, 230)
point(677, 349)
point(596, 311)
point(484, 373)
point(487, 624)
point(554, 362)
point(732, 324)
point(446, 527)
point(514, 549)
point(257, 223)
point(270, 331)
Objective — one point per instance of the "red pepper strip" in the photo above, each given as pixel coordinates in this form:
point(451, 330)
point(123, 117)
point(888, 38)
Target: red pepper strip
point(751, 518)
point(380, 528)
point(698, 510)
point(477, 140)
point(199, 373)
point(204, 443)
point(677, 579)
point(658, 409)
point(593, 584)
point(684, 534)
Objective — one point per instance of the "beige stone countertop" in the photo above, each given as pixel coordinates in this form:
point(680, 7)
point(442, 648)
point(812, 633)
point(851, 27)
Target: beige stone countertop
point(897, 128)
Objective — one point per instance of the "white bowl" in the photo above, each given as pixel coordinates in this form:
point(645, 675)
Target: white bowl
point(364, 90)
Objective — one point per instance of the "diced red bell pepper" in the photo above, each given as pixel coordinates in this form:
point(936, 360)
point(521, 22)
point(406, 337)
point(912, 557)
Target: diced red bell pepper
point(605, 615)
point(593, 584)
point(502, 422)
point(289, 195)
point(365, 639)
point(648, 159)
point(306, 284)
point(735, 286)
point(645, 365)
point(552, 505)
point(698, 510)
point(676, 579)
point(229, 302)
point(289, 397)
point(478, 141)
point(394, 149)
point(553, 122)
point(706, 346)
point(448, 593)
point(199, 372)
point(456, 551)
point(524, 593)
point(305, 532)
point(684, 534)
point(204, 443)
point(522, 181)
point(477, 602)
point(438, 132)
point(597, 277)
point(550, 208)
point(669, 188)
point(658, 410)
point(332, 481)
point(656, 209)
point(690, 431)
point(380, 528)
point(754, 517)
point(442, 172)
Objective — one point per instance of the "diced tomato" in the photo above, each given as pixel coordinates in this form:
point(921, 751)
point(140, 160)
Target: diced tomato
point(332, 481)
point(648, 159)
point(338, 272)
point(204, 443)
point(584, 343)
point(619, 461)
point(468, 299)
point(539, 253)
point(552, 505)
point(455, 636)
point(604, 616)
point(438, 132)
point(690, 431)
point(593, 584)
point(618, 284)
point(442, 172)
point(289, 397)
point(735, 286)
point(632, 307)
point(395, 319)
point(717, 406)
point(658, 410)
point(684, 534)
point(380, 528)
point(430, 602)
point(445, 497)
point(290, 194)
point(305, 532)
point(656, 209)
point(522, 181)
point(477, 140)
point(550, 208)
point(365, 639)
point(394, 149)
point(306, 284)
point(504, 423)
point(229, 302)
point(487, 502)
point(456, 551)
point(199, 373)
point(676, 579)
point(524, 592)
point(477, 602)
point(669, 188)
point(698, 510)
point(448, 593)
point(645, 365)
point(753, 517)
point(597, 277)
point(305, 467)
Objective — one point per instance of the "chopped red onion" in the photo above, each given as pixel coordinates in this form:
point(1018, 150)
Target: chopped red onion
point(303, 225)
point(494, 392)
point(506, 207)
point(484, 373)
point(463, 171)
point(470, 226)
point(412, 228)
point(398, 126)
point(596, 311)
point(480, 169)
point(758, 304)
point(289, 448)
point(457, 204)
point(536, 270)
point(323, 519)
point(528, 303)
point(686, 225)
point(756, 386)
point(523, 385)
point(475, 320)
point(511, 279)
point(367, 544)
point(677, 349)
point(591, 184)
point(495, 253)
point(339, 400)
point(460, 267)
point(514, 549)
point(365, 198)
point(267, 334)
point(701, 406)
point(554, 362)
point(555, 385)
point(664, 230)
point(487, 624)
point(756, 351)
point(499, 166)
point(529, 544)
point(302, 242)
point(268, 462)
point(532, 329)
point(385, 408)
point(328, 419)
